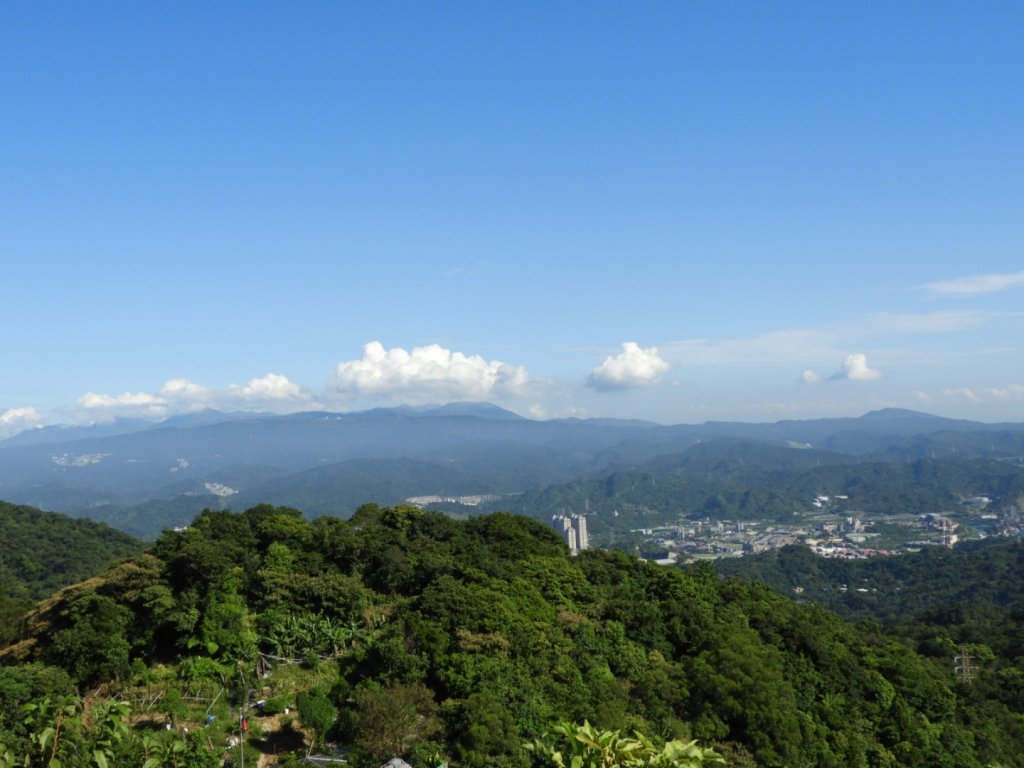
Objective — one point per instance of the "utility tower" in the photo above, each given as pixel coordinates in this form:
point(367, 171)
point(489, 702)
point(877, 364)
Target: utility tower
point(965, 667)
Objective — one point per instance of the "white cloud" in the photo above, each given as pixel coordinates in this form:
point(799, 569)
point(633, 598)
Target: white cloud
point(181, 395)
point(633, 367)
point(125, 400)
point(188, 395)
point(1009, 392)
point(15, 420)
point(26, 415)
point(810, 377)
point(855, 368)
point(139, 404)
point(183, 389)
point(273, 386)
point(426, 373)
point(974, 285)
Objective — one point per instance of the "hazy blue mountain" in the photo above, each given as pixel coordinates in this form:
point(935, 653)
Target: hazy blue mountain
point(330, 462)
point(747, 458)
point(62, 433)
point(208, 416)
point(480, 410)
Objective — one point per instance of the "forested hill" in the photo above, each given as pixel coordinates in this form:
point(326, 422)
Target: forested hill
point(892, 589)
point(42, 551)
point(967, 602)
point(742, 480)
point(434, 638)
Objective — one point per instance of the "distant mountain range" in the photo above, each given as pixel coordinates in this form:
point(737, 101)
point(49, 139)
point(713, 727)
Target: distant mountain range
point(142, 477)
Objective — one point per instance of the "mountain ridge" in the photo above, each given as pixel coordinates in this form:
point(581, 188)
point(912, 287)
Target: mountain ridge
point(457, 449)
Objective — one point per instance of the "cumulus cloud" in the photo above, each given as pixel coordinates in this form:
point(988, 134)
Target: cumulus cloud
point(633, 367)
point(974, 285)
point(15, 420)
point(273, 386)
point(427, 373)
point(26, 415)
point(855, 368)
point(141, 404)
point(181, 395)
point(126, 400)
point(183, 389)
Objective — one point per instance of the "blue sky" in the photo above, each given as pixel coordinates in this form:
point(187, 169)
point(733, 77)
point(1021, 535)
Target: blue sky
point(674, 211)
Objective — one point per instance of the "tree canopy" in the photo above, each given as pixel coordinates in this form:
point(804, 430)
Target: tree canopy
point(409, 632)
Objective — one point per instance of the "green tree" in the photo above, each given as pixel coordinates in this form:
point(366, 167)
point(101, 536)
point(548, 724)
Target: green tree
point(317, 712)
point(93, 645)
point(226, 629)
point(486, 734)
point(388, 722)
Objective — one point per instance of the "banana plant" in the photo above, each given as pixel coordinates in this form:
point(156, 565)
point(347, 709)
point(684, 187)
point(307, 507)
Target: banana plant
point(567, 745)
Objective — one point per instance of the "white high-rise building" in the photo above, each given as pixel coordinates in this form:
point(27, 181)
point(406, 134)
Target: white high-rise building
point(574, 529)
point(582, 537)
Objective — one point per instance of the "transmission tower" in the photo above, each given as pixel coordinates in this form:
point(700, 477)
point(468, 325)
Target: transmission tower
point(965, 667)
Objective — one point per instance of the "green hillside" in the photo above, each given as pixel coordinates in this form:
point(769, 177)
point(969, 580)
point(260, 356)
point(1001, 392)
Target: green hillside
point(43, 551)
point(407, 632)
point(943, 603)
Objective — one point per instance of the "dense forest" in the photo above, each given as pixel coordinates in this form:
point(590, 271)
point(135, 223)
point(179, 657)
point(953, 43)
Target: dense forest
point(961, 607)
point(43, 551)
point(403, 632)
